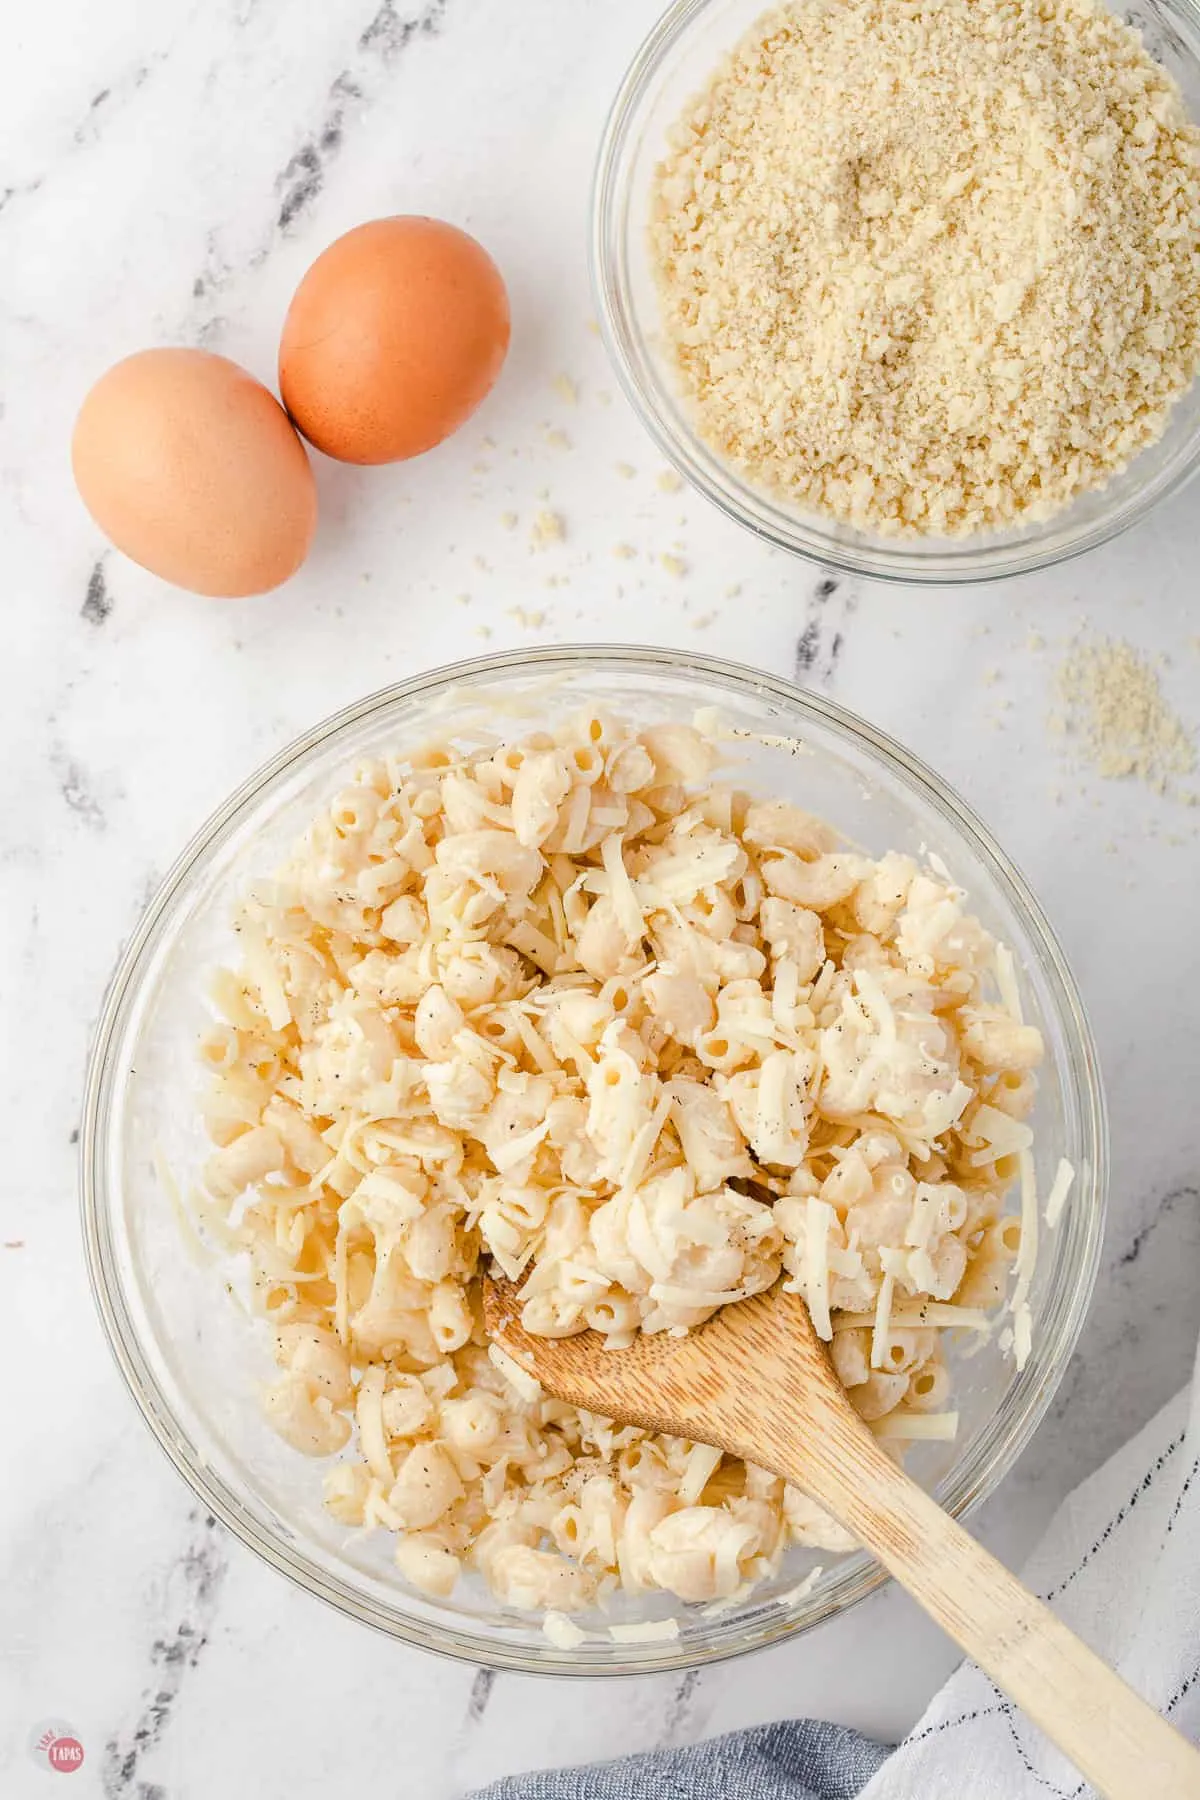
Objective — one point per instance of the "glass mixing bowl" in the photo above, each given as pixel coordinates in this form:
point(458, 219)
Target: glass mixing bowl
point(673, 65)
point(194, 1359)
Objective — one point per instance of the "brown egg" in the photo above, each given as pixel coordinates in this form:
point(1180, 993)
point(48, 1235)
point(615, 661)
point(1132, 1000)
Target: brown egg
point(193, 469)
point(393, 338)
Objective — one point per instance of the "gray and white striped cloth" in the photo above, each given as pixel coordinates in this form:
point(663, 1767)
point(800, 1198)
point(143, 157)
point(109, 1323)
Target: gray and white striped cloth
point(1120, 1565)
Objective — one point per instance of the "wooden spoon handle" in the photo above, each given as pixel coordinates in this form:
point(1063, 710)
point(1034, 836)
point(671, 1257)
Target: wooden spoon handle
point(1126, 1750)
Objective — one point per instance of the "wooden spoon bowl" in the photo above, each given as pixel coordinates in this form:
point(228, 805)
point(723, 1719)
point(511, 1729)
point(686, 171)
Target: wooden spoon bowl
point(756, 1381)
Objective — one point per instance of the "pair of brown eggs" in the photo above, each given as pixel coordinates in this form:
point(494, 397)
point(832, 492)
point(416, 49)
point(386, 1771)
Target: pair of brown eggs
point(193, 468)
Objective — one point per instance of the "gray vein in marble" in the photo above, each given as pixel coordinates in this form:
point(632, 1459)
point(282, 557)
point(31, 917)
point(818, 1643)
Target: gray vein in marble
point(104, 103)
point(76, 791)
point(102, 107)
point(19, 189)
point(382, 40)
point(389, 33)
point(98, 602)
point(1163, 1210)
point(820, 643)
point(1144, 1321)
point(304, 176)
point(200, 1572)
point(481, 1693)
point(677, 1719)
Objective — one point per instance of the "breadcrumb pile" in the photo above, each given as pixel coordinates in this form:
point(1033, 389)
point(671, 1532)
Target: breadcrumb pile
point(1114, 712)
point(933, 269)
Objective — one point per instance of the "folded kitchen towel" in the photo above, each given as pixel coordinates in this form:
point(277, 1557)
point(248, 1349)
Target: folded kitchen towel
point(802, 1760)
point(1120, 1565)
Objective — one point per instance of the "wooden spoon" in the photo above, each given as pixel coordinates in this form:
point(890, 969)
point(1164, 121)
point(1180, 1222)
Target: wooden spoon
point(757, 1382)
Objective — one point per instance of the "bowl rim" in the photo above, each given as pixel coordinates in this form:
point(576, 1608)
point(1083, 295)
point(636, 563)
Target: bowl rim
point(927, 562)
point(859, 1575)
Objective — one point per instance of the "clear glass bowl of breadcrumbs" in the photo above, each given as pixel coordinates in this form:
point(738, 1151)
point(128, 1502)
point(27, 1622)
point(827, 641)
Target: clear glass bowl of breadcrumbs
point(676, 63)
point(196, 1361)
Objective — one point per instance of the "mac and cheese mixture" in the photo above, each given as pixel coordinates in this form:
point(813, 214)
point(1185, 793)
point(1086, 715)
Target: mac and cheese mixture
point(571, 1005)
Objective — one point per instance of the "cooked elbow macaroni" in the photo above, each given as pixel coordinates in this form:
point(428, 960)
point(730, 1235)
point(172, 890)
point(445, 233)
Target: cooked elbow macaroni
point(570, 1007)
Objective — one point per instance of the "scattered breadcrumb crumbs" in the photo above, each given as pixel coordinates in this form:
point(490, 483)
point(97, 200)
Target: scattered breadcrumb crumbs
point(1035, 641)
point(669, 482)
point(991, 677)
point(558, 440)
point(591, 327)
point(625, 552)
point(463, 599)
point(483, 631)
point(509, 520)
point(733, 590)
point(1113, 712)
point(528, 620)
point(547, 528)
point(480, 562)
point(566, 389)
point(626, 471)
point(703, 621)
point(674, 565)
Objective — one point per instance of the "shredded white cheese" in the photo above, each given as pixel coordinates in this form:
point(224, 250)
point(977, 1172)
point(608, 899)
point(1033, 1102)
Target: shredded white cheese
point(883, 1314)
point(1060, 1188)
point(648, 1631)
point(816, 1265)
point(1006, 981)
point(562, 1632)
point(793, 1596)
point(525, 1386)
point(914, 1427)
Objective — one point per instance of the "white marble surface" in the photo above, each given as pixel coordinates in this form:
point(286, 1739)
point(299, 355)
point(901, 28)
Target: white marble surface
point(167, 170)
